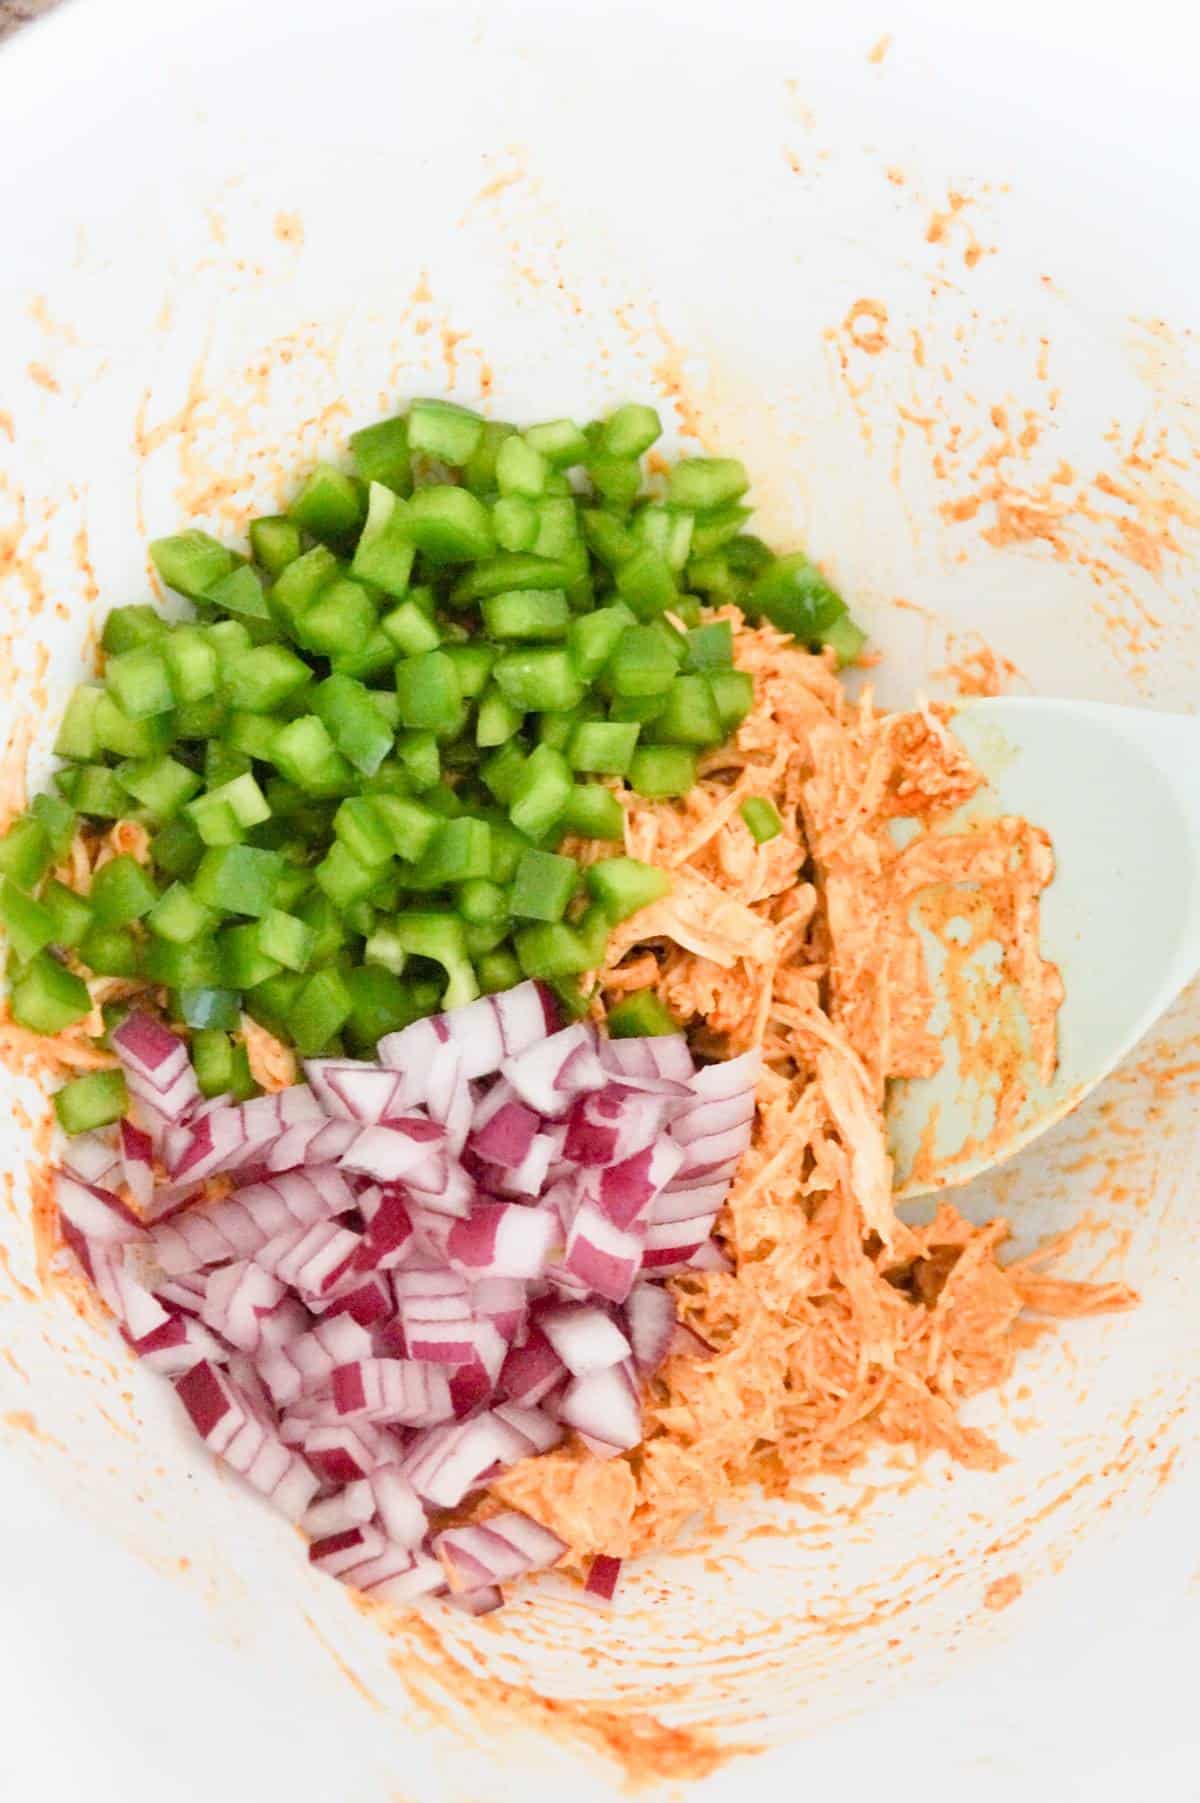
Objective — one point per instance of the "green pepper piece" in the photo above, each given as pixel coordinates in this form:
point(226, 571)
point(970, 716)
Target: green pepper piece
point(537, 679)
point(733, 692)
point(593, 812)
point(526, 614)
point(321, 1008)
point(29, 925)
point(240, 593)
point(659, 771)
point(515, 523)
point(308, 757)
point(543, 886)
point(70, 915)
point(92, 1101)
point(353, 717)
point(520, 470)
point(846, 639)
point(46, 997)
point(191, 562)
point(127, 628)
point(449, 525)
point(640, 1015)
point(603, 747)
point(384, 554)
point(560, 441)
point(761, 818)
point(25, 852)
point(794, 595)
point(511, 570)
point(444, 430)
point(410, 629)
point(77, 736)
point(381, 454)
point(178, 916)
point(110, 951)
point(623, 886)
point(690, 716)
point(429, 691)
point(329, 505)
point(275, 542)
point(121, 891)
point(703, 484)
point(540, 793)
point(237, 879)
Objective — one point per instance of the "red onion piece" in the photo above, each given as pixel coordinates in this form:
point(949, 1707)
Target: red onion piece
point(390, 1390)
point(650, 1319)
point(585, 1339)
point(96, 1213)
point(351, 1507)
point(603, 1577)
point(506, 1136)
point(603, 1406)
point(398, 1506)
point(549, 1074)
point(401, 1298)
point(94, 1158)
point(507, 1546)
point(503, 1240)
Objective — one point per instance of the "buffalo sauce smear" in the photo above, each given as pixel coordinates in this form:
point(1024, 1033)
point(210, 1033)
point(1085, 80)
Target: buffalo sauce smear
point(838, 1327)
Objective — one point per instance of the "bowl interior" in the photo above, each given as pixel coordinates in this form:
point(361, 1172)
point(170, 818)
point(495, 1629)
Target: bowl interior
point(844, 267)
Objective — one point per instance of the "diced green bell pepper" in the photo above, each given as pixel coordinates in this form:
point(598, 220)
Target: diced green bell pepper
point(92, 1101)
point(121, 891)
point(329, 505)
point(640, 1015)
point(543, 886)
point(46, 997)
point(623, 886)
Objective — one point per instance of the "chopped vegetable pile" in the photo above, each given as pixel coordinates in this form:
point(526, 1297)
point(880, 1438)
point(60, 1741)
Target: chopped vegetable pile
point(365, 758)
point(488, 733)
point(429, 1269)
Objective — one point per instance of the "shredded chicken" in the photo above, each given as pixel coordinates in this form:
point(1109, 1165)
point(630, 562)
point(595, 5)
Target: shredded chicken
point(272, 1064)
point(838, 1327)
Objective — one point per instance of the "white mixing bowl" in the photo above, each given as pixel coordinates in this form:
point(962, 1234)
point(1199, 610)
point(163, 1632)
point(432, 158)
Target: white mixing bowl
point(934, 291)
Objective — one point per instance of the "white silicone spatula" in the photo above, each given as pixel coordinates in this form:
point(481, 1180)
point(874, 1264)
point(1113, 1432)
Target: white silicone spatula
point(1118, 790)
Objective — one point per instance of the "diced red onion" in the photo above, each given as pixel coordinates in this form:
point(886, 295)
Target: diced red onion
point(604, 1407)
point(341, 1453)
point(366, 1093)
point(357, 1316)
point(398, 1576)
point(650, 1319)
point(311, 1259)
point(236, 1298)
point(351, 1507)
point(585, 1339)
point(664, 1057)
point(532, 1371)
point(340, 1552)
point(603, 1577)
point(506, 1136)
point(398, 1506)
point(549, 1074)
point(94, 1158)
point(540, 1431)
point(484, 1601)
point(137, 1163)
point(507, 1546)
point(503, 1240)
point(605, 1258)
point(96, 1213)
point(391, 1390)
point(502, 1301)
